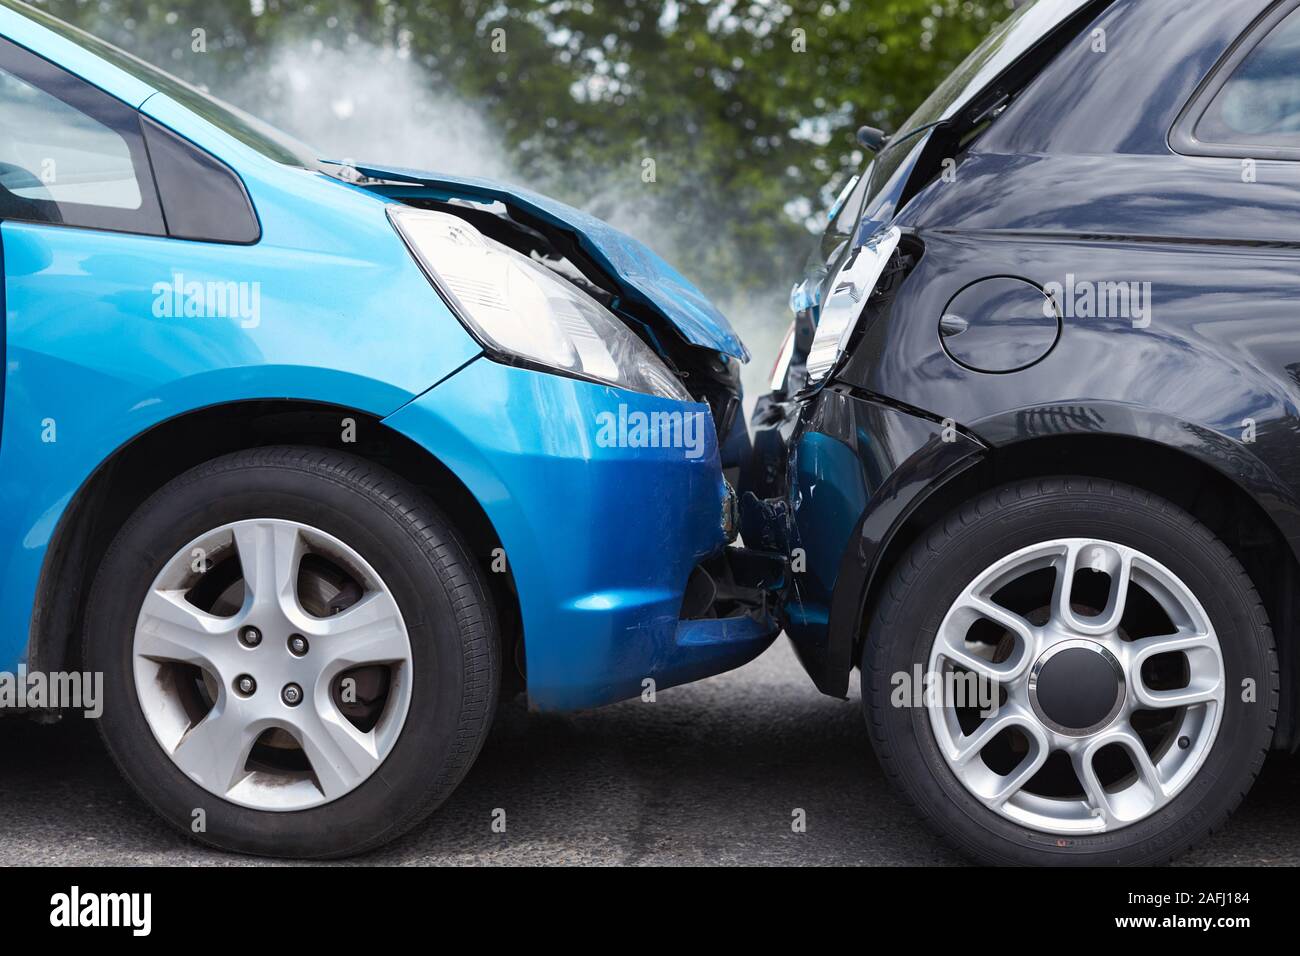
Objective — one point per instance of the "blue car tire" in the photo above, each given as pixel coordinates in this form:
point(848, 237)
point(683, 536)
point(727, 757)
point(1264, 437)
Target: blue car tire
point(299, 654)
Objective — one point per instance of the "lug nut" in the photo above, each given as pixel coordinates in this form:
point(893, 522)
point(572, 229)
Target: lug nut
point(250, 636)
point(298, 645)
point(245, 685)
point(291, 695)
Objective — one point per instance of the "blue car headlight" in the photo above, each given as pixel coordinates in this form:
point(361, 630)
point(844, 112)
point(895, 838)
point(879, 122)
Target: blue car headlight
point(517, 308)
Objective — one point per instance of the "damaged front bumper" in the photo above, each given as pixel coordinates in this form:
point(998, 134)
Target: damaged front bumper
point(617, 552)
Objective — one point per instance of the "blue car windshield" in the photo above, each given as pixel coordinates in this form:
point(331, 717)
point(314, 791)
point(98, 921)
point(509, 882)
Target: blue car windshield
point(249, 130)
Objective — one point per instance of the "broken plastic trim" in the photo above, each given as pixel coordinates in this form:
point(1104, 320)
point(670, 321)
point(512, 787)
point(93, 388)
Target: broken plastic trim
point(852, 287)
point(738, 582)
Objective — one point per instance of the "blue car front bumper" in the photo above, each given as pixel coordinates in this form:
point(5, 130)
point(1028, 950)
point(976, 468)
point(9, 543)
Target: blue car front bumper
point(599, 537)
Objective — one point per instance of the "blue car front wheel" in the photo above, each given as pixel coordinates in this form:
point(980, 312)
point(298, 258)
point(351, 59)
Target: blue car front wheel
point(299, 655)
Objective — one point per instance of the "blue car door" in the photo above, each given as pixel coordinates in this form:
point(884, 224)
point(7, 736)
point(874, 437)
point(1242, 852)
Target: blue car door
point(77, 199)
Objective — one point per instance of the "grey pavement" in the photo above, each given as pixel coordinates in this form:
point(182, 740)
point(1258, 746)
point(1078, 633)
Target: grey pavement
point(710, 773)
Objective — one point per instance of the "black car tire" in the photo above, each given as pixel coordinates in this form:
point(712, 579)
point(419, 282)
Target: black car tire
point(450, 622)
point(947, 557)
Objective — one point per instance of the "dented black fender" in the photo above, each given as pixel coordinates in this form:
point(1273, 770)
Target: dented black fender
point(856, 467)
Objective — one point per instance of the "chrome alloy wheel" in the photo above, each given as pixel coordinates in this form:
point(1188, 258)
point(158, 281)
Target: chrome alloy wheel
point(1109, 686)
point(272, 664)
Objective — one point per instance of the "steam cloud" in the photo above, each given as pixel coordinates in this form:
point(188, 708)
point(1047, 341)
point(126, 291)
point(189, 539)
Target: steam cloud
point(372, 104)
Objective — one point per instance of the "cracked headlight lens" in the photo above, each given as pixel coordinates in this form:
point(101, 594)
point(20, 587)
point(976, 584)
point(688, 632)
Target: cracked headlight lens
point(519, 309)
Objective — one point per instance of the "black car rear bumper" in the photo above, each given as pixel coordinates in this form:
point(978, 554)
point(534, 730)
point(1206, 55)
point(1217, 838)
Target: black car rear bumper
point(832, 483)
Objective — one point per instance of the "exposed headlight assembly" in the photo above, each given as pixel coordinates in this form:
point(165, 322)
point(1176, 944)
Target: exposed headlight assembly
point(849, 293)
point(518, 308)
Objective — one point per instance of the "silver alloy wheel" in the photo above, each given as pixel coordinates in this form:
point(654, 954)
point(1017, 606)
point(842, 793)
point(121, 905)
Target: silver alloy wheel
point(1081, 659)
point(195, 660)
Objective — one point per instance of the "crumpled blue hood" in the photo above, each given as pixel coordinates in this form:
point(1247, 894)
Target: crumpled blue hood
point(640, 274)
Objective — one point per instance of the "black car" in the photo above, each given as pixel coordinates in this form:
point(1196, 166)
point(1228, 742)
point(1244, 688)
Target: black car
point(1033, 448)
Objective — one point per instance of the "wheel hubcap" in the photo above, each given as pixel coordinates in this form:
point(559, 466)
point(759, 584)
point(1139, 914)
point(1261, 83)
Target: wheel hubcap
point(1077, 687)
point(1105, 678)
point(272, 664)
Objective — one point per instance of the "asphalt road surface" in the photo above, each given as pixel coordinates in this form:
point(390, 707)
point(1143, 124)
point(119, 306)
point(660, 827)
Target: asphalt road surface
point(708, 774)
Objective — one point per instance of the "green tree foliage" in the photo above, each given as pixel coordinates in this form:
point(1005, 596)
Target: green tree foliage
point(746, 110)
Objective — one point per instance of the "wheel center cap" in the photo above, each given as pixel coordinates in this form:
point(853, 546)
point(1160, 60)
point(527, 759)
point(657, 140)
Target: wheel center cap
point(1077, 687)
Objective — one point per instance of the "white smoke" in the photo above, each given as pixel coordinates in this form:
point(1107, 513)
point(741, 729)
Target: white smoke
point(369, 104)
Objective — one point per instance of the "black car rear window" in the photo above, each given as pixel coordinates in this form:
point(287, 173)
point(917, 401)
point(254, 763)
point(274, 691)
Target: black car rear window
point(1259, 104)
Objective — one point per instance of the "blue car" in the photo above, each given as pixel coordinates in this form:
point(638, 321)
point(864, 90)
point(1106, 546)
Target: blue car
point(312, 462)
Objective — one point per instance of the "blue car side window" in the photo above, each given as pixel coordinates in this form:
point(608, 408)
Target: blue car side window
point(70, 153)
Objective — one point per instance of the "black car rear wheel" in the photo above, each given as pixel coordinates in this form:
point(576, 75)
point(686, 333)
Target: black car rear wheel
point(1099, 677)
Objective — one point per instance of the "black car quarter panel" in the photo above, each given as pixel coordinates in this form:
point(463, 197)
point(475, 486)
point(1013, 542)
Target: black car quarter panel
point(1175, 277)
point(858, 467)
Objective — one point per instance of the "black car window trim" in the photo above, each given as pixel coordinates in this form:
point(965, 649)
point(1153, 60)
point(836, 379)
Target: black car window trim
point(114, 114)
point(1182, 137)
point(249, 209)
